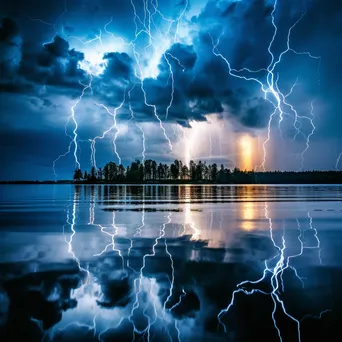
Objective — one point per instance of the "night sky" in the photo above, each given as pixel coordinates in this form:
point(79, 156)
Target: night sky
point(159, 58)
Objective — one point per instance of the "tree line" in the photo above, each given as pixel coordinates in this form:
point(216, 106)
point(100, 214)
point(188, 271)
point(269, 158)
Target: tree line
point(150, 171)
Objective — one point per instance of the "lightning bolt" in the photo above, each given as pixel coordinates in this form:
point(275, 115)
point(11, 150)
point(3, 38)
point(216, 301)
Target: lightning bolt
point(114, 126)
point(148, 16)
point(143, 152)
point(179, 301)
point(180, 18)
point(154, 109)
point(92, 204)
point(138, 229)
point(172, 270)
point(172, 79)
point(292, 257)
point(276, 279)
point(338, 161)
point(72, 228)
point(50, 333)
point(172, 86)
point(296, 121)
point(144, 25)
point(140, 280)
point(88, 280)
point(54, 24)
point(74, 138)
point(270, 88)
point(72, 118)
point(90, 284)
point(139, 126)
point(316, 317)
point(152, 307)
point(189, 221)
point(318, 246)
point(137, 233)
point(112, 244)
point(309, 135)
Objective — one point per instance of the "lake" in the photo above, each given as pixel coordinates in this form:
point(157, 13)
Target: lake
point(170, 263)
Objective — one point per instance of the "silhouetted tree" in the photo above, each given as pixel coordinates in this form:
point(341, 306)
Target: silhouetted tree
point(177, 167)
point(205, 171)
point(221, 175)
point(78, 174)
point(154, 169)
point(192, 170)
point(160, 171)
point(121, 172)
point(185, 174)
point(199, 171)
point(135, 173)
point(213, 172)
point(167, 172)
point(174, 169)
point(106, 172)
point(99, 174)
point(93, 174)
point(150, 170)
point(141, 172)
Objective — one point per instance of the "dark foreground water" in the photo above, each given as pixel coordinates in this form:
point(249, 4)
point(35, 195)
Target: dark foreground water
point(170, 263)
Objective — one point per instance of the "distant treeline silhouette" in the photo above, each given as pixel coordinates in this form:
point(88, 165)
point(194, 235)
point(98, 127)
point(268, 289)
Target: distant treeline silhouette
point(201, 172)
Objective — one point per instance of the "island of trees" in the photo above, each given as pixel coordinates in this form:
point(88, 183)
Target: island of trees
point(201, 172)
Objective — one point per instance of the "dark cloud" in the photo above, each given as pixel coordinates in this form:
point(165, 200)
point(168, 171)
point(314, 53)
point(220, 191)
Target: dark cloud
point(47, 103)
point(55, 64)
point(116, 292)
point(42, 104)
point(58, 48)
point(10, 47)
point(17, 86)
point(32, 293)
point(184, 53)
point(119, 65)
point(199, 88)
point(200, 84)
point(254, 114)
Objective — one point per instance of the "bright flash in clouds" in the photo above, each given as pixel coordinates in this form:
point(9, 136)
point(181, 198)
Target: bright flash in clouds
point(246, 152)
point(211, 141)
point(93, 63)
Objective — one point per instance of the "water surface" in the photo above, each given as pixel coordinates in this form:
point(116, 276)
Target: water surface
point(170, 263)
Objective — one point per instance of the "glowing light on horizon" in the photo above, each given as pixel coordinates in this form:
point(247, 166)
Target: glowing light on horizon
point(270, 89)
point(246, 152)
point(193, 146)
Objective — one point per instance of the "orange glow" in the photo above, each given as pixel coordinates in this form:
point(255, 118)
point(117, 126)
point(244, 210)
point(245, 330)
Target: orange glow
point(248, 213)
point(246, 152)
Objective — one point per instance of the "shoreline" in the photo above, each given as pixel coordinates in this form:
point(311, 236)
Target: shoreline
point(160, 183)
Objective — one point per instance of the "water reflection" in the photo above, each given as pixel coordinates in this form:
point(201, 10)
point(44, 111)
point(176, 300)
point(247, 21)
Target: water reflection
point(248, 211)
point(170, 263)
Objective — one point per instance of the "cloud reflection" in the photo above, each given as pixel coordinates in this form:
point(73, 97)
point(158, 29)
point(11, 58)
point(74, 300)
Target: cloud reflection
point(158, 262)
